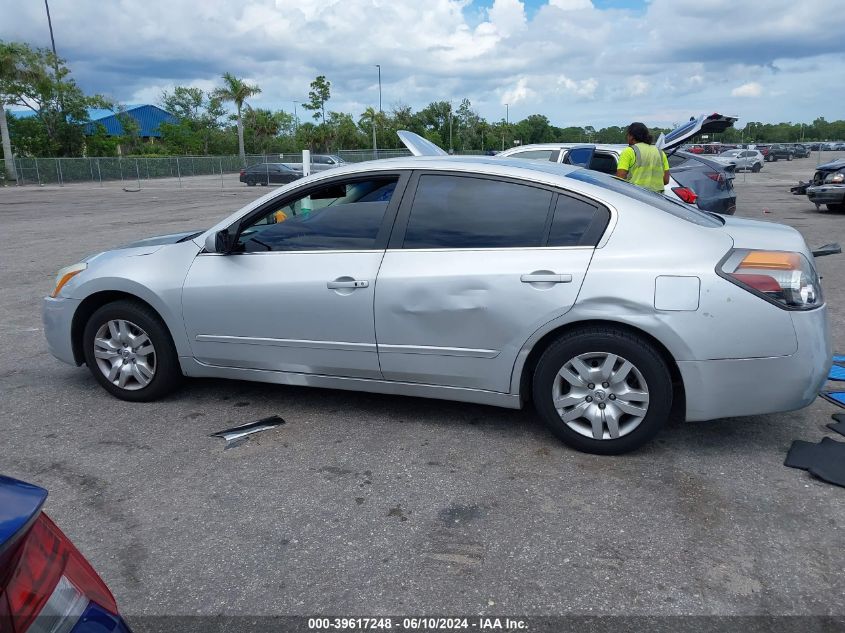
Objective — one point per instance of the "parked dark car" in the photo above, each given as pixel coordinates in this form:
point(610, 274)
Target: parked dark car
point(45, 583)
point(711, 181)
point(266, 173)
point(800, 151)
point(828, 186)
point(776, 151)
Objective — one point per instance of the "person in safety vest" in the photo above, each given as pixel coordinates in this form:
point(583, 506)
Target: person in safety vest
point(641, 163)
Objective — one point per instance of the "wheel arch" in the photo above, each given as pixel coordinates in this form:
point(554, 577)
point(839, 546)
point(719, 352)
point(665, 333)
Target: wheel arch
point(94, 302)
point(525, 373)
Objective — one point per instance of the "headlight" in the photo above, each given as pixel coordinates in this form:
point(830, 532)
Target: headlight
point(65, 275)
point(785, 278)
point(835, 177)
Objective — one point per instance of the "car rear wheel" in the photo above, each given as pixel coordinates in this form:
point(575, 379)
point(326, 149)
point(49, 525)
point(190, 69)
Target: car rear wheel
point(250, 182)
point(789, 157)
point(602, 390)
point(836, 207)
point(757, 167)
point(129, 351)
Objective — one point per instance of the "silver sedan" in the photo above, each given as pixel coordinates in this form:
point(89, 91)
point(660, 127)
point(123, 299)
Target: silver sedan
point(489, 280)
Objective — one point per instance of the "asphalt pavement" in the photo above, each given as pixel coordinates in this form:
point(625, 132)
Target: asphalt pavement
point(368, 504)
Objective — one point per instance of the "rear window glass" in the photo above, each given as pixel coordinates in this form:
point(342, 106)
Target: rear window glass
point(657, 200)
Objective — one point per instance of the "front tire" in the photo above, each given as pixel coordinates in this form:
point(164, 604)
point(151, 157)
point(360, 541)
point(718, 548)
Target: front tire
point(836, 207)
point(757, 167)
point(602, 390)
point(789, 157)
point(129, 351)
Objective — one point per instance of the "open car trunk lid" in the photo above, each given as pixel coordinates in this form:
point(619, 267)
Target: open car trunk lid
point(418, 145)
point(704, 124)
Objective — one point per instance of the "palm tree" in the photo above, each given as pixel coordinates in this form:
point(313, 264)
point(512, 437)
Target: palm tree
point(237, 91)
point(14, 68)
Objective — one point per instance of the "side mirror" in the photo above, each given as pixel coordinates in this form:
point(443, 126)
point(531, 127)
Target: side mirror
point(220, 242)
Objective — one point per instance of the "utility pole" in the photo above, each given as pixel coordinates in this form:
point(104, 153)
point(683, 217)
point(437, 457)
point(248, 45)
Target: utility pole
point(52, 40)
point(451, 150)
point(295, 118)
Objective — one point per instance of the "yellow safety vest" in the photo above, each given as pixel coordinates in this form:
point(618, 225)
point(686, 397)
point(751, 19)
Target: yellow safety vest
point(648, 169)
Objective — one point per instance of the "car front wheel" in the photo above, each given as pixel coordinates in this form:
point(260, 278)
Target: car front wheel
point(129, 351)
point(603, 390)
point(757, 167)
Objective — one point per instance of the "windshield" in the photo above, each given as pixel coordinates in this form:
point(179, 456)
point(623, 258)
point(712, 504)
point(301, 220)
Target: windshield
point(657, 200)
point(732, 152)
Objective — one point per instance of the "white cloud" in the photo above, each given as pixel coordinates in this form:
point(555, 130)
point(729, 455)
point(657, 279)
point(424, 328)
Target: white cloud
point(571, 5)
point(520, 92)
point(568, 59)
point(751, 89)
point(637, 86)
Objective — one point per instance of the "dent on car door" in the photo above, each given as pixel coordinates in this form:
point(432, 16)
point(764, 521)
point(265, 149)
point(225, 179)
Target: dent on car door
point(296, 295)
point(474, 267)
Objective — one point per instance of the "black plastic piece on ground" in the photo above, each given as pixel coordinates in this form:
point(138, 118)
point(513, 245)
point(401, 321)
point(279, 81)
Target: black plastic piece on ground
point(825, 460)
point(237, 432)
point(828, 249)
point(839, 425)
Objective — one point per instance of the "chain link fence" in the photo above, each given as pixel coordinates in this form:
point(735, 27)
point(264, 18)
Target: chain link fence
point(182, 170)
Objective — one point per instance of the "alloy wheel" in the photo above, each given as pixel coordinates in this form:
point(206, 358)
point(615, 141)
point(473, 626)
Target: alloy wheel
point(125, 354)
point(600, 395)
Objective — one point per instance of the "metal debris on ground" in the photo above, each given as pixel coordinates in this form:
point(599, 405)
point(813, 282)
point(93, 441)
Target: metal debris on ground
point(237, 432)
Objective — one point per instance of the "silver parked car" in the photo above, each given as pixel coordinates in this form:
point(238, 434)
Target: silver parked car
point(749, 159)
point(478, 279)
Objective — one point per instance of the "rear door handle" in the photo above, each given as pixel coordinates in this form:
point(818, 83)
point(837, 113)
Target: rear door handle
point(353, 283)
point(545, 278)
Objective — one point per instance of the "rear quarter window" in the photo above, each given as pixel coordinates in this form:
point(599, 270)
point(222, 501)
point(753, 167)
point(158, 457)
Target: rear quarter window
point(656, 200)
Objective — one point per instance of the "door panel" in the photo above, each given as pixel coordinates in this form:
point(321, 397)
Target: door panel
point(276, 311)
point(459, 318)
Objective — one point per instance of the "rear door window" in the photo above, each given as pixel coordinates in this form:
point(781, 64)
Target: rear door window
point(451, 211)
point(577, 222)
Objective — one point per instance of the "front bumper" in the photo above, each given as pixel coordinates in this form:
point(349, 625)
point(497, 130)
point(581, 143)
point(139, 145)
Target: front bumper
point(826, 194)
point(57, 316)
point(754, 386)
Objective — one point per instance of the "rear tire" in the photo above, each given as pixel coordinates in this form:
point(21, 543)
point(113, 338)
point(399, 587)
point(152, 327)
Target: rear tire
point(757, 167)
point(595, 366)
point(836, 207)
point(129, 351)
point(789, 157)
point(250, 182)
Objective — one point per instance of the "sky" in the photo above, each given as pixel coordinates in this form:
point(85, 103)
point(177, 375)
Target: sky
point(579, 62)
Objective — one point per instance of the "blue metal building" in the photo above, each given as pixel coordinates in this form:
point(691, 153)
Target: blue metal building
point(148, 117)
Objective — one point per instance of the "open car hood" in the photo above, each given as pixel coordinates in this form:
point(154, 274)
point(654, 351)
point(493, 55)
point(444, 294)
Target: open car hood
point(418, 145)
point(705, 124)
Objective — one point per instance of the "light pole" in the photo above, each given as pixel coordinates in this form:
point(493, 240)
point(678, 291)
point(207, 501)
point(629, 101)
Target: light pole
point(295, 118)
point(507, 124)
point(379, 87)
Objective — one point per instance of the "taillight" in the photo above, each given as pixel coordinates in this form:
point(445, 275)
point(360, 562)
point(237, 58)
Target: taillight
point(782, 277)
point(243, 171)
point(686, 194)
point(716, 176)
point(51, 585)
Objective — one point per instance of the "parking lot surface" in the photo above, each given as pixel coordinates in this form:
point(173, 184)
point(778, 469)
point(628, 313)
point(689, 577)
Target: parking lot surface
point(367, 504)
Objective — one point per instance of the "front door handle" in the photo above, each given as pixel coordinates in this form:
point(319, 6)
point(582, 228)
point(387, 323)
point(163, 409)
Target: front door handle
point(347, 283)
point(545, 278)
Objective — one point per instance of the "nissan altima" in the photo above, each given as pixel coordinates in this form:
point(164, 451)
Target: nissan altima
point(481, 279)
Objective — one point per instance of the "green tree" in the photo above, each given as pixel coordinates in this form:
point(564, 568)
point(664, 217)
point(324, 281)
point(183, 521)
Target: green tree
point(320, 93)
point(35, 79)
point(198, 113)
point(18, 66)
point(237, 91)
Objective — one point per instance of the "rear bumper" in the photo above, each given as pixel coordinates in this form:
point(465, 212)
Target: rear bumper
point(725, 203)
point(754, 386)
point(57, 316)
point(826, 194)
